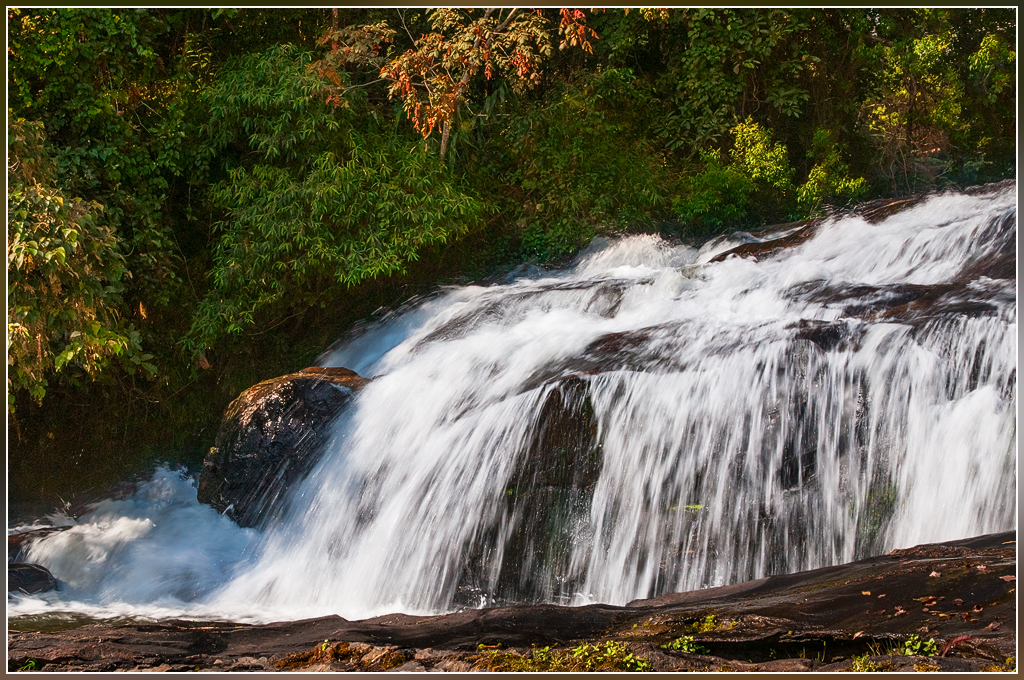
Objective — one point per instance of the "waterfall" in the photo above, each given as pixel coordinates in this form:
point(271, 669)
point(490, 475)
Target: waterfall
point(652, 419)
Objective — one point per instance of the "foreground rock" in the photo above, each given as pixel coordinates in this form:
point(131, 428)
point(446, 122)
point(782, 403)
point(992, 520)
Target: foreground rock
point(29, 578)
point(270, 437)
point(958, 598)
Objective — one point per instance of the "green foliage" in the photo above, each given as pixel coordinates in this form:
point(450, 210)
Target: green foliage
point(583, 166)
point(253, 165)
point(605, 656)
point(29, 665)
point(98, 81)
point(763, 162)
point(863, 664)
point(707, 624)
point(686, 644)
point(915, 646)
point(64, 278)
point(715, 197)
point(726, 61)
point(828, 181)
point(321, 195)
point(991, 67)
point(610, 655)
point(757, 185)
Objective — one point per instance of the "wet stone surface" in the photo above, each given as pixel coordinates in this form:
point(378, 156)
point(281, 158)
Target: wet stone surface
point(957, 598)
point(270, 438)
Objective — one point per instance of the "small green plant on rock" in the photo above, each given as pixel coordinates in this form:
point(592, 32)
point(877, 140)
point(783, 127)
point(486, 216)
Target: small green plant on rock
point(863, 664)
point(605, 656)
point(610, 655)
point(915, 646)
point(709, 623)
point(29, 665)
point(687, 645)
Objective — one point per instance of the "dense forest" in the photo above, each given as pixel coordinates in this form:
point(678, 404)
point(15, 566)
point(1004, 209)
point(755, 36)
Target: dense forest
point(202, 199)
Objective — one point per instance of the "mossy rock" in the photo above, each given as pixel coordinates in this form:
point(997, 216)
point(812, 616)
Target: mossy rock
point(271, 437)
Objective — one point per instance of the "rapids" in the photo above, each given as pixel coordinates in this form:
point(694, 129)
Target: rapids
point(839, 398)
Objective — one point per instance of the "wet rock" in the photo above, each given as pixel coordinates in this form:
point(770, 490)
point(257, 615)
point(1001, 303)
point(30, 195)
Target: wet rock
point(829, 335)
point(816, 620)
point(911, 304)
point(878, 210)
point(29, 579)
point(990, 188)
point(773, 239)
point(17, 544)
point(999, 261)
point(270, 438)
point(546, 500)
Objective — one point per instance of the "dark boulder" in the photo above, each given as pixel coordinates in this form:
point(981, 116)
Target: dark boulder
point(769, 241)
point(29, 579)
point(17, 544)
point(270, 438)
point(546, 500)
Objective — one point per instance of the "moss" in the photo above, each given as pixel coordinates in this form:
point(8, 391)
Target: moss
point(393, 659)
point(324, 653)
point(864, 664)
point(604, 656)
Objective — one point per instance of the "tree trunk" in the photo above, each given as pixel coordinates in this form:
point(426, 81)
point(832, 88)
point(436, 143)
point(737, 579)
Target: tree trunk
point(446, 132)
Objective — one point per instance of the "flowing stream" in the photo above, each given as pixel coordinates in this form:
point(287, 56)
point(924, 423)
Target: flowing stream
point(648, 420)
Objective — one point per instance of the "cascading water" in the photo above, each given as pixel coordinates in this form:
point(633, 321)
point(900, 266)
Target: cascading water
point(644, 422)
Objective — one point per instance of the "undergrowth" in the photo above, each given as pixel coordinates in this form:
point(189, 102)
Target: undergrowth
point(605, 656)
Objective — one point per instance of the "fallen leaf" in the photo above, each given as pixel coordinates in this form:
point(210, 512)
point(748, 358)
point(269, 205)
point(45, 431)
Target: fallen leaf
point(934, 574)
point(858, 634)
point(958, 602)
point(924, 609)
point(982, 567)
point(1008, 578)
point(994, 625)
point(881, 596)
point(865, 592)
point(977, 609)
point(952, 643)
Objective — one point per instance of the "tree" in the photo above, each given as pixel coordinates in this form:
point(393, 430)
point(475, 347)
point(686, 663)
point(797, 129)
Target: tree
point(65, 272)
point(319, 192)
point(432, 78)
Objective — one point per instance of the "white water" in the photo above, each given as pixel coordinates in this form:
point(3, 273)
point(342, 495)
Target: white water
point(729, 448)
